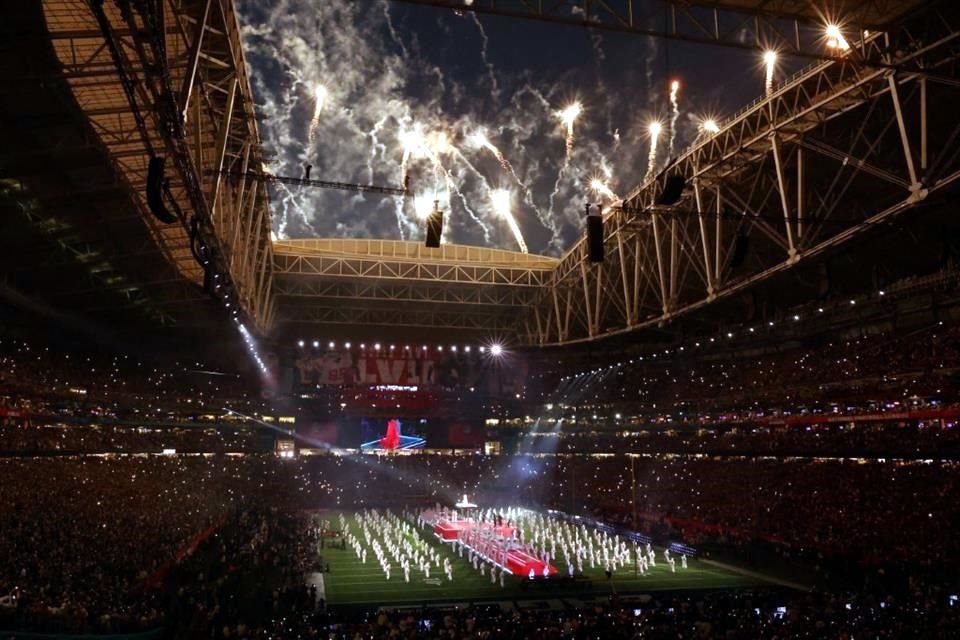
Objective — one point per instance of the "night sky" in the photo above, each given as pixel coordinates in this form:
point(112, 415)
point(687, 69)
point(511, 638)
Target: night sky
point(396, 77)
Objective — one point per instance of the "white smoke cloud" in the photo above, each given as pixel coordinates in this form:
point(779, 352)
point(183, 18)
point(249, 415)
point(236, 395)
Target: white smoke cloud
point(379, 83)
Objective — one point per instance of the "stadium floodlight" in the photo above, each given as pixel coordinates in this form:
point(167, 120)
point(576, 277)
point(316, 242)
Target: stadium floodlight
point(496, 350)
point(710, 126)
point(316, 344)
point(300, 343)
point(467, 348)
point(483, 349)
point(376, 347)
point(346, 345)
point(332, 344)
point(835, 39)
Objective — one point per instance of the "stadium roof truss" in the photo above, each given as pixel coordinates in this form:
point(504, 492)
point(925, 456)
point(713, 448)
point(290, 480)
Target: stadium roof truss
point(346, 281)
point(847, 144)
point(168, 78)
point(834, 151)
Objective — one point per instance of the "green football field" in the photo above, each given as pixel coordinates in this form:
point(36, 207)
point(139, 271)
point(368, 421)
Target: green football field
point(349, 581)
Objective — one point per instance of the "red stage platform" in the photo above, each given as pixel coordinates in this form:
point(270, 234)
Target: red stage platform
point(450, 530)
point(498, 544)
point(519, 563)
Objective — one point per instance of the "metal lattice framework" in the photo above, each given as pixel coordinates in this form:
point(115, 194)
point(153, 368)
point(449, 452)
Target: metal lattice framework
point(169, 78)
point(835, 151)
point(345, 281)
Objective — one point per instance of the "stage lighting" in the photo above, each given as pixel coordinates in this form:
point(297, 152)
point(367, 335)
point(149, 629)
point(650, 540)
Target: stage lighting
point(467, 349)
point(332, 345)
point(300, 343)
point(496, 350)
point(376, 347)
point(346, 345)
point(316, 344)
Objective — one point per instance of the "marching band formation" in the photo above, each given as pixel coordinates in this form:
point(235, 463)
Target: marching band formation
point(493, 542)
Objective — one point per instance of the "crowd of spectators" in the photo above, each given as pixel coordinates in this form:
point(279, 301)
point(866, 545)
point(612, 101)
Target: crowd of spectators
point(893, 439)
point(99, 534)
point(38, 381)
point(55, 530)
point(864, 374)
point(45, 439)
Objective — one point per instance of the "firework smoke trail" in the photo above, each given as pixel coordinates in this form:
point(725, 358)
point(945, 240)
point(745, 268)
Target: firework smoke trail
point(289, 200)
point(494, 87)
point(648, 61)
point(319, 98)
point(601, 188)
point(393, 31)
point(500, 199)
point(451, 184)
point(654, 129)
point(770, 62)
point(431, 147)
point(304, 43)
point(674, 114)
point(479, 140)
point(375, 146)
point(568, 116)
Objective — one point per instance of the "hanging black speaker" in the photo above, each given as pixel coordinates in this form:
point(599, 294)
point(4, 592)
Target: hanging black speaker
point(595, 237)
point(434, 228)
point(155, 191)
point(673, 188)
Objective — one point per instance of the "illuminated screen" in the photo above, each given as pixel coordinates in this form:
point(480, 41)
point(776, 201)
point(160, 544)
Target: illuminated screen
point(390, 436)
point(373, 433)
